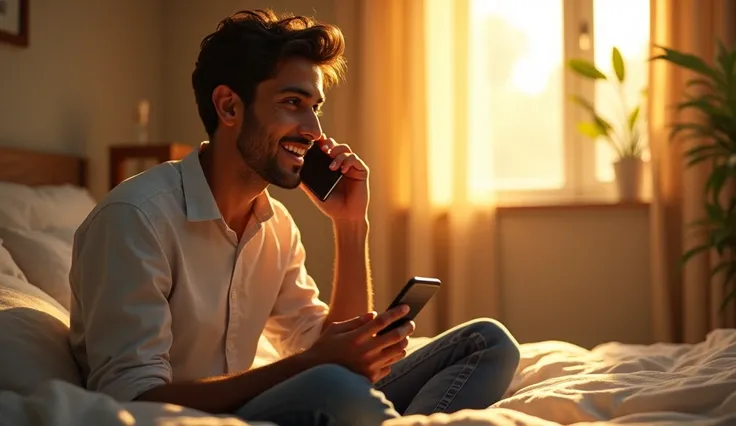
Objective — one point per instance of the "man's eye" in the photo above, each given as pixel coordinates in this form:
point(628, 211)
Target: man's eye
point(293, 101)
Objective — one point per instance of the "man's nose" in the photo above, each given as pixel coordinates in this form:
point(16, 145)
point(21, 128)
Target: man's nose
point(311, 128)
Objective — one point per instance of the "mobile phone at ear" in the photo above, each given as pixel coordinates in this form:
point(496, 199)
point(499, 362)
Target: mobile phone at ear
point(316, 173)
point(417, 292)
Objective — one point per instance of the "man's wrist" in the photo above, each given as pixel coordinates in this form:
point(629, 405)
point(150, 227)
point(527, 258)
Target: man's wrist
point(309, 358)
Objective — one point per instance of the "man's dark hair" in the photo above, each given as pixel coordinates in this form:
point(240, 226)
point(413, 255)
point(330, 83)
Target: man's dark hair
point(248, 46)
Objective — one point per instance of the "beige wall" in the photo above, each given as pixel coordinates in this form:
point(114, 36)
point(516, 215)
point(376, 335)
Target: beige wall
point(577, 275)
point(87, 58)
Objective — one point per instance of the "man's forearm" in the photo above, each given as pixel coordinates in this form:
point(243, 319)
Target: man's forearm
point(225, 394)
point(352, 292)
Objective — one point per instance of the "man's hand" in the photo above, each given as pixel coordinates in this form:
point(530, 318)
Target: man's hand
point(354, 344)
point(349, 200)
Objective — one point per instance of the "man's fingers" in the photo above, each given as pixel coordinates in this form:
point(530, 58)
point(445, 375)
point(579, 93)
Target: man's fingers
point(339, 160)
point(354, 167)
point(329, 144)
point(337, 149)
point(382, 321)
point(380, 374)
point(393, 341)
point(397, 355)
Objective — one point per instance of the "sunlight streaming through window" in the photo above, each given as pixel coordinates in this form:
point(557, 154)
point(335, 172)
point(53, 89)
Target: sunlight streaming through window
point(516, 95)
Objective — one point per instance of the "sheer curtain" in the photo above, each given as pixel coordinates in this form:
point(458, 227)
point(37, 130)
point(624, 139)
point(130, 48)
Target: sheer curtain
point(407, 108)
point(685, 306)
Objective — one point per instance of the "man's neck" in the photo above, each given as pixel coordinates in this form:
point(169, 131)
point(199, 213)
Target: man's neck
point(234, 186)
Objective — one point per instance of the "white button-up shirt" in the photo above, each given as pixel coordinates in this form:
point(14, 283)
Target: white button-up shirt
point(163, 291)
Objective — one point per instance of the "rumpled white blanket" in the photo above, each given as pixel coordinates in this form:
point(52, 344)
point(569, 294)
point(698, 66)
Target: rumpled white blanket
point(559, 383)
point(556, 384)
point(57, 403)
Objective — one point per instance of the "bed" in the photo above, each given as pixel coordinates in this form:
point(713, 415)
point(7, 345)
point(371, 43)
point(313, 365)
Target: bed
point(44, 198)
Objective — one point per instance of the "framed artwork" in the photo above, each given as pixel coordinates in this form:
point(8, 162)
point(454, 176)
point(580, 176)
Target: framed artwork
point(14, 22)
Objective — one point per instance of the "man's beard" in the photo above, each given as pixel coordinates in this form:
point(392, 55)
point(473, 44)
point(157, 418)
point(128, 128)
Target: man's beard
point(260, 152)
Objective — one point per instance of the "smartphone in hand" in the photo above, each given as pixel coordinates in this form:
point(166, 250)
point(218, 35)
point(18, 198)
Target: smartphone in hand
point(416, 294)
point(316, 173)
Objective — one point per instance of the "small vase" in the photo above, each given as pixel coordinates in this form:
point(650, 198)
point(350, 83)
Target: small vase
point(629, 178)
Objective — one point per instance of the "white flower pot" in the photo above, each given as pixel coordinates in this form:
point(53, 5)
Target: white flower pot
point(629, 178)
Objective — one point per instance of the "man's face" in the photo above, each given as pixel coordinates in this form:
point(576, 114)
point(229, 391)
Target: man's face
point(282, 122)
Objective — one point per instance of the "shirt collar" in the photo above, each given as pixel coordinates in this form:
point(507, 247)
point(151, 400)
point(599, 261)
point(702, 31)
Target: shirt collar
point(198, 198)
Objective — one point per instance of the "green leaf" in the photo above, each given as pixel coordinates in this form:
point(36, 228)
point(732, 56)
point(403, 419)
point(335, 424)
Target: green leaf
point(726, 60)
point(708, 84)
point(715, 183)
point(711, 148)
point(583, 103)
point(699, 223)
point(722, 266)
point(603, 124)
point(700, 158)
point(591, 130)
point(585, 69)
point(714, 212)
point(727, 300)
point(694, 252)
point(704, 105)
point(688, 61)
point(632, 118)
point(728, 281)
point(618, 64)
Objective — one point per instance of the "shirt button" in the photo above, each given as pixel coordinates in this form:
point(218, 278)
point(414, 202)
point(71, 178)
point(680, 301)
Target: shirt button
point(232, 295)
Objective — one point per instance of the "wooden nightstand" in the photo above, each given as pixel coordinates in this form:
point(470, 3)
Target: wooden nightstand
point(160, 152)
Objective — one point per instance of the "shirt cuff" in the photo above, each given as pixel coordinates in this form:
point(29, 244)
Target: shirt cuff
point(128, 386)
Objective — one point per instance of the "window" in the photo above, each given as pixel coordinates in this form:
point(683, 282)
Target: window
point(524, 145)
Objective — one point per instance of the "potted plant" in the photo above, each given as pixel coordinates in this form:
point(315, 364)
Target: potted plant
point(625, 134)
point(712, 133)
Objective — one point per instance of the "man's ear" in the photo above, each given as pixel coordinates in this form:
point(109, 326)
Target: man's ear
point(228, 105)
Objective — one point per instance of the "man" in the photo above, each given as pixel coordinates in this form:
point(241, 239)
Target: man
point(179, 270)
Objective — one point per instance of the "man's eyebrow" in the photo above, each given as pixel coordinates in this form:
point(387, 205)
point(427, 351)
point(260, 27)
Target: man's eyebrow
point(302, 92)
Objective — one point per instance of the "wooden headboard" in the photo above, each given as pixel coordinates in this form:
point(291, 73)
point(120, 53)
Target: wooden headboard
point(35, 168)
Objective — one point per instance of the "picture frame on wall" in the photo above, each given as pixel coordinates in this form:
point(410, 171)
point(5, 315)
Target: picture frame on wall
point(14, 22)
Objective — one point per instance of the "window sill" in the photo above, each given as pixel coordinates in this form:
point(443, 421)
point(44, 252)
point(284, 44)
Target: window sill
point(575, 206)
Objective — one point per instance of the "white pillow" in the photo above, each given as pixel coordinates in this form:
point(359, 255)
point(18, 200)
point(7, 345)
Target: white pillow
point(8, 265)
point(17, 206)
point(64, 234)
point(44, 259)
point(34, 339)
point(63, 206)
point(43, 207)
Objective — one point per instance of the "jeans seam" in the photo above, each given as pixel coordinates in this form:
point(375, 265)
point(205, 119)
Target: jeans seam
point(477, 338)
point(391, 378)
point(470, 365)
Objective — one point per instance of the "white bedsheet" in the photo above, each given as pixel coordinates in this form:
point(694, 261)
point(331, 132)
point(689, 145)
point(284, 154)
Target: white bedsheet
point(663, 384)
point(56, 403)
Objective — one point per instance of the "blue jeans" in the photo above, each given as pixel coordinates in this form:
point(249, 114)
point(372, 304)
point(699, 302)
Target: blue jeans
point(469, 366)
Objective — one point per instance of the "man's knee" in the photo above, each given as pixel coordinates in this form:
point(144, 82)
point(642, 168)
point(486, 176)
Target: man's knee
point(347, 397)
point(496, 336)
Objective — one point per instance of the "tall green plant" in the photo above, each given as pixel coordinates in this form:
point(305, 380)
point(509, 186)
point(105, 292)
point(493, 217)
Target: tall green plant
point(624, 134)
point(712, 92)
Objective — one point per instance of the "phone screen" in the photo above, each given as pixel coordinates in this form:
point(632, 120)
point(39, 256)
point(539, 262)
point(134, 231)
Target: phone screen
point(316, 173)
point(416, 294)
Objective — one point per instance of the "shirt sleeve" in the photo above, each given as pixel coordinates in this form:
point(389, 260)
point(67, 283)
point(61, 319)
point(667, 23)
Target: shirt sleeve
point(298, 315)
point(121, 322)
